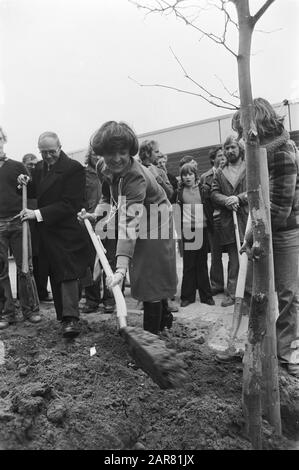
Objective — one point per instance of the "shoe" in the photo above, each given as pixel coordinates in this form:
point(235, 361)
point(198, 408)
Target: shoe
point(10, 318)
point(293, 369)
point(184, 303)
point(172, 307)
point(227, 302)
point(89, 308)
point(48, 298)
point(166, 321)
point(33, 317)
point(3, 324)
point(70, 328)
point(228, 356)
point(208, 301)
point(109, 308)
point(216, 291)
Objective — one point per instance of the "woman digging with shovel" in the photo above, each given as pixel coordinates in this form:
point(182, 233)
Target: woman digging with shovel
point(145, 243)
point(150, 259)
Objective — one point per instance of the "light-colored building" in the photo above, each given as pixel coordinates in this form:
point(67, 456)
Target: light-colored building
point(197, 138)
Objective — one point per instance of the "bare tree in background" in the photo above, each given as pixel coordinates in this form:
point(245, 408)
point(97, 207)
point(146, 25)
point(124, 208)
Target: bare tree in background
point(260, 376)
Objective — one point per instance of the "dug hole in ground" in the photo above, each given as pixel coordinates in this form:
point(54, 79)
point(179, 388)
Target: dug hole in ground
point(83, 394)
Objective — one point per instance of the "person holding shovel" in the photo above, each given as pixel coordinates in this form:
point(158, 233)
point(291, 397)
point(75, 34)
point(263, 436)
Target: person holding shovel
point(228, 194)
point(40, 271)
point(11, 237)
point(58, 183)
point(145, 243)
point(283, 167)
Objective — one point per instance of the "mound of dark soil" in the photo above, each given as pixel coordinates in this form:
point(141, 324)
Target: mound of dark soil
point(57, 394)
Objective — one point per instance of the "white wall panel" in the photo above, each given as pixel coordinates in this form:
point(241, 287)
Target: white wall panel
point(186, 137)
point(294, 111)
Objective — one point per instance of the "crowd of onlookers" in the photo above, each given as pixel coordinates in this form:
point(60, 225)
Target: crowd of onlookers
point(198, 209)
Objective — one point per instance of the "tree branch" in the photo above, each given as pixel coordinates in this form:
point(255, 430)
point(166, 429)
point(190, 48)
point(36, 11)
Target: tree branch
point(231, 93)
point(261, 11)
point(231, 108)
point(164, 7)
point(198, 84)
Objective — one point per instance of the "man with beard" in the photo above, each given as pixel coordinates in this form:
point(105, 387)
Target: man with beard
point(229, 194)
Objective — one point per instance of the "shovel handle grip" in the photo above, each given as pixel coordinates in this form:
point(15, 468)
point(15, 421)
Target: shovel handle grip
point(121, 307)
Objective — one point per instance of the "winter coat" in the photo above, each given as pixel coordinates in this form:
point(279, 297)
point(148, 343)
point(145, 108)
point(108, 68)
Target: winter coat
point(152, 258)
point(162, 178)
point(221, 189)
point(93, 189)
point(206, 181)
point(60, 196)
point(283, 167)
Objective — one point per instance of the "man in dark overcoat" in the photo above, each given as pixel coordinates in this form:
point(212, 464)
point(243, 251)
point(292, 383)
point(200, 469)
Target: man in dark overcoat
point(58, 183)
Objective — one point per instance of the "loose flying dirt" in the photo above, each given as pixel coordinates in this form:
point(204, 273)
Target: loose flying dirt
point(84, 394)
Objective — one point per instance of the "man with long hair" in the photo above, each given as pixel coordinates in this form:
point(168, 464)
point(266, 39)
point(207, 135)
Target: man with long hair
point(283, 164)
point(228, 195)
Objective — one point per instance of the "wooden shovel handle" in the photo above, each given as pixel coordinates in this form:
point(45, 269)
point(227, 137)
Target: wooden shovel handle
point(121, 307)
point(25, 263)
point(237, 234)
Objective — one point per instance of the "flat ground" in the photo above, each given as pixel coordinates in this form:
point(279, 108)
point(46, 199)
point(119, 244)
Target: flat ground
point(59, 394)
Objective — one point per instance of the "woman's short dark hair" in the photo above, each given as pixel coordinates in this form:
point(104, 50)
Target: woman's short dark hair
point(213, 153)
point(187, 159)
point(145, 149)
point(112, 137)
point(268, 122)
point(187, 169)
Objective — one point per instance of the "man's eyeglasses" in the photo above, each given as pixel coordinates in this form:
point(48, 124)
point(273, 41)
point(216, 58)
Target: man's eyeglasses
point(49, 152)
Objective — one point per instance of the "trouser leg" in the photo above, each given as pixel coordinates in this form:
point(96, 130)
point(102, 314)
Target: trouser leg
point(166, 316)
point(202, 276)
point(9, 306)
point(70, 298)
point(42, 269)
point(16, 247)
point(66, 298)
point(57, 297)
point(93, 293)
point(232, 269)
point(188, 289)
point(152, 316)
point(93, 289)
point(286, 265)
point(216, 270)
point(110, 246)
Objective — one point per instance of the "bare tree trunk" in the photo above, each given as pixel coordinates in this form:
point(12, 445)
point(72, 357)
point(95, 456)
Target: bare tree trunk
point(259, 321)
point(270, 398)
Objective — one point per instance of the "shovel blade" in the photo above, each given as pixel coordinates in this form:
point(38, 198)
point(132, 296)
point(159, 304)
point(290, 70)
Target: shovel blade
point(154, 358)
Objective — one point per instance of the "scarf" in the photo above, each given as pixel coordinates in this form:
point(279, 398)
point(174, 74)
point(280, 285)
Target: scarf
point(276, 142)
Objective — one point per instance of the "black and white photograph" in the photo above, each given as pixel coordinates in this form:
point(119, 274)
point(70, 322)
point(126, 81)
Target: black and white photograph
point(149, 228)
